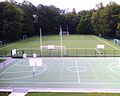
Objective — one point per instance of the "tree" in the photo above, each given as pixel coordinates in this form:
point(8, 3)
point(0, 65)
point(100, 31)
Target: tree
point(28, 22)
point(84, 26)
point(12, 17)
point(105, 20)
point(48, 19)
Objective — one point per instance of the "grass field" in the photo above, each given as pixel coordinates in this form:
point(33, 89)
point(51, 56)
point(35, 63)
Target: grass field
point(73, 94)
point(64, 94)
point(1, 60)
point(75, 45)
point(5, 93)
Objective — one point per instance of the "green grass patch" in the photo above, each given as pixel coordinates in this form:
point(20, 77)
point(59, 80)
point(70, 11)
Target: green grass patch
point(73, 94)
point(4, 93)
point(1, 60)
point(76, 45)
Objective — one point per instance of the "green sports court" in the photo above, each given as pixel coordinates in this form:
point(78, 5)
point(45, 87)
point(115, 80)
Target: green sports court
point(75, 74)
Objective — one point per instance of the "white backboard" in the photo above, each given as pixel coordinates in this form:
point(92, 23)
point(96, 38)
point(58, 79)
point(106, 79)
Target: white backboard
point(35, 61)
point(100, 46)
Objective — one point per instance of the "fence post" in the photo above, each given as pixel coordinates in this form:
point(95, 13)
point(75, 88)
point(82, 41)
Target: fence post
point(49, 53)
point(104, 53)
point(76, 52)
point(31, 53)
point(95, 53)
point(114, 53)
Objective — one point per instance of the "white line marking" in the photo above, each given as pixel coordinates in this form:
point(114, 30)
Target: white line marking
point(106, 43)
point(93, 71)
point(98, 51)
point(77, 71)
point(61, 70)
point(64, 83)
point(9, 68)
point(8, 46)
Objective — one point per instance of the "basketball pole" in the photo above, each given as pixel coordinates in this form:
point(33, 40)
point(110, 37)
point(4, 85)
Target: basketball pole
point(61, 43)
point(41, 42)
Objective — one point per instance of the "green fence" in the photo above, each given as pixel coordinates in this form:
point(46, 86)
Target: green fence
point(65, 53)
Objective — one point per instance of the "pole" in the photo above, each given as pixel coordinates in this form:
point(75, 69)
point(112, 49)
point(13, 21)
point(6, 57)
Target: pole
point(40, 42)
point(61, 41)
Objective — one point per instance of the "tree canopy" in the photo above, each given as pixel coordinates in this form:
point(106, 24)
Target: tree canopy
point(18, 19)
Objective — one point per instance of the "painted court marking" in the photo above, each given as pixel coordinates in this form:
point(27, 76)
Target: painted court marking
point(64, 83)
point(106, 43)
point(78, 81)
point(93, 70)
point(77, 71)
point(71, 69)
point(22, 77)
point(9, 68)
point(61, 70)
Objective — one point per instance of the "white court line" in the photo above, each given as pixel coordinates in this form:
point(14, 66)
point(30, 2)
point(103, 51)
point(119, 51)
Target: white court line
point(94, 72)
point(8, 46)
point(77, 71)
point(106, 43)
point(64, 83)
point(9, 68)
point(61, 70)
point(98, 51)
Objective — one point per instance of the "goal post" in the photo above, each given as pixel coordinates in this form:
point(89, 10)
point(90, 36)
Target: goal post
point(24, 37)
point(117, 42)
point(52, 50)
point(62, 33)
point(1, 43)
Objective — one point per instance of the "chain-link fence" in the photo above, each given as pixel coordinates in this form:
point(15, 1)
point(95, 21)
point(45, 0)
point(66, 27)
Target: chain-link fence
point(66, 53)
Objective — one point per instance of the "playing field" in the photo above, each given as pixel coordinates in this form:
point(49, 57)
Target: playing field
point(74, 45)
point(66, 74)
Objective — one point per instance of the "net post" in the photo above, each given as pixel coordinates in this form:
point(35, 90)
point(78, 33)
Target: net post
point(86, 52)
point(95, 53)
point(49, 53)
point(104, 53)
point(76, 52)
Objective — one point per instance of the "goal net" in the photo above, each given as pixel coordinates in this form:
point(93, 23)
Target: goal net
point(52, 50)
point(64, 33)
point(117, 42)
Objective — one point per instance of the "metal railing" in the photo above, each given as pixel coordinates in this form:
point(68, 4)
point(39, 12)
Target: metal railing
point(67, 53)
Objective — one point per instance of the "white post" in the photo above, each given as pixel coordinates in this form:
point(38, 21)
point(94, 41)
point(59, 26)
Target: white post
point(40, 42)
point(61, 41)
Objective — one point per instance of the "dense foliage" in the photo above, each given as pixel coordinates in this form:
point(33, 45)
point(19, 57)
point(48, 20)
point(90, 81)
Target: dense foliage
point(18, 19)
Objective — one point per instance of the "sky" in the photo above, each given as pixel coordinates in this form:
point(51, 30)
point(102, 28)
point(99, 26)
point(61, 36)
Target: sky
point(70, 4)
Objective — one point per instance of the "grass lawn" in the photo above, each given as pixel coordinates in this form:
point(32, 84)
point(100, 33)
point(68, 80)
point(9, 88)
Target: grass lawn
point(73, 94)
point(76, 45)
point(1, 60)
point(4, 93)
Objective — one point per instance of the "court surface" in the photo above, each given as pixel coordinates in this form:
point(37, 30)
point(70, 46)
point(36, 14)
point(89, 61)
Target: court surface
point(82, 73)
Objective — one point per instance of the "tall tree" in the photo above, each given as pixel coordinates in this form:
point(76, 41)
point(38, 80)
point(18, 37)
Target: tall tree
point(84, 26)
point(28, 23)
point(48, 19)
point(12, 21)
